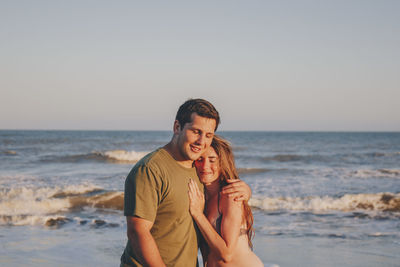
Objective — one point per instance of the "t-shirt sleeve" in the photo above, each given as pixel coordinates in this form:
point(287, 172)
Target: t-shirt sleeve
point(142, 193)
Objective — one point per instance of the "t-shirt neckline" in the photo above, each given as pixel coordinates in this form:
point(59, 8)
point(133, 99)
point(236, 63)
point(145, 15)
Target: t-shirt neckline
point(164, 151)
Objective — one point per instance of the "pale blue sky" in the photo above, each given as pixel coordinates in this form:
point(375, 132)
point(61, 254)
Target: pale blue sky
point(266, 65)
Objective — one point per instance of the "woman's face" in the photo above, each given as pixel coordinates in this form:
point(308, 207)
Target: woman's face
point(207, 166)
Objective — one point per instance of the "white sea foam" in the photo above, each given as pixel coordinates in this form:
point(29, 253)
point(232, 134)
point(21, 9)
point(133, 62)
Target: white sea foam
point(123, 155)
point(76, 189)
point(28, 219)
point(394, 173)
point(360, 173)
point(26, 205)
point(348, 202)
point(23, 201)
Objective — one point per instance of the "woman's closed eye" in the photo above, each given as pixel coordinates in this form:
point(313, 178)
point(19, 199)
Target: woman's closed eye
point(200, 159)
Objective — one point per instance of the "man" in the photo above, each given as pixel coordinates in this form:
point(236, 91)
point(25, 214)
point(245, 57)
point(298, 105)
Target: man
point(161, 231)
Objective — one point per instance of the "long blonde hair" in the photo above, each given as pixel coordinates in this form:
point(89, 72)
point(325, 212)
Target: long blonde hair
point(228, 171)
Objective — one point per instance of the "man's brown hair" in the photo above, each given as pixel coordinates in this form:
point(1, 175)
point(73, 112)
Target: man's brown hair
point(202, 107)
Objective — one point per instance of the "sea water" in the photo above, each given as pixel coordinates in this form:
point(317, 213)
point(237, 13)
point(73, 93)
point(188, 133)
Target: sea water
point(319, 199)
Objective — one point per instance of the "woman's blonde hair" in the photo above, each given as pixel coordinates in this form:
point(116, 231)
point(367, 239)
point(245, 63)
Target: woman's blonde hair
point(228, 171)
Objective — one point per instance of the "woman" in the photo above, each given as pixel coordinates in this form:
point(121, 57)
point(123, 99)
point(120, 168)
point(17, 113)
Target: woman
point(226, 225)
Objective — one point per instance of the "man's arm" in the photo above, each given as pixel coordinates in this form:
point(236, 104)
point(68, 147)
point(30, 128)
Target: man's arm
point(237, 189)
point(142, 242)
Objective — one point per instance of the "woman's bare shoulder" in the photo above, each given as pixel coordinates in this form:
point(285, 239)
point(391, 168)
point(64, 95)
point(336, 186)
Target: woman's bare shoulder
point(228, 204)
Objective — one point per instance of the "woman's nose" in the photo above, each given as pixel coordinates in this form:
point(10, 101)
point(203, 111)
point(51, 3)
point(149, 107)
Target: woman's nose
point(206, 164)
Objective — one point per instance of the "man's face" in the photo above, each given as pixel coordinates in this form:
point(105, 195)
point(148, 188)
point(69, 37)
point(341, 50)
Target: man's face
point(195, 137)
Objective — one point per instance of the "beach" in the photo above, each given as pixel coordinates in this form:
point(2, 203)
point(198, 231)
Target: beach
point(319, 198)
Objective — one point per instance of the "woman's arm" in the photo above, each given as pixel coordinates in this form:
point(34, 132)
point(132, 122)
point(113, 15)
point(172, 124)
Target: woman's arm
point(232, 219)
point(230, 227)
point(204, 250)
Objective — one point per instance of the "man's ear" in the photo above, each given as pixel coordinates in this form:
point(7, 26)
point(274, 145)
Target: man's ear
point(177, 127)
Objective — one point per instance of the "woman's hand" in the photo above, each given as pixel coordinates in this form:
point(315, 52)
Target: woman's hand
point(196, 199)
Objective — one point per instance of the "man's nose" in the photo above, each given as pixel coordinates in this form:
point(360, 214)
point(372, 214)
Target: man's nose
point(201, 139)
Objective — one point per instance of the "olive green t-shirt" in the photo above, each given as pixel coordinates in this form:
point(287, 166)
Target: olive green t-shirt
point(156, 190)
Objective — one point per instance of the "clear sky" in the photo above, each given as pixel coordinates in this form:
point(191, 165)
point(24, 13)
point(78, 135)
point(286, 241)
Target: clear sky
point(265, 65)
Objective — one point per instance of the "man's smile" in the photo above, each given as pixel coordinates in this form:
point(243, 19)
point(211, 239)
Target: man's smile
point(195, 149)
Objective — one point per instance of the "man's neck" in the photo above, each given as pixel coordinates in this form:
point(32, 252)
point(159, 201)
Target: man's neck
point(173, 150)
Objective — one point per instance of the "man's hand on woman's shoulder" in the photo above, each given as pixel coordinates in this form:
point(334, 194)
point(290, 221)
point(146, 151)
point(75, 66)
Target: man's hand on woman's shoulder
point(237, 189)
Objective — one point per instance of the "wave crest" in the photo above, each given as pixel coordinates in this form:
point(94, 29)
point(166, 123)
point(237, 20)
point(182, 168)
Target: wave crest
point(112, 156)
point(377, 173)
point(21, 206)
point(107, 200)
point(348, 202)
point(122, 156)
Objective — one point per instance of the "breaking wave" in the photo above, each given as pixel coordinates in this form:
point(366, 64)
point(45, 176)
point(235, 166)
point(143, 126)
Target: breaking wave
point(112, 156)
point(9, 152)
point(21, 206)
point(122, 155)
point(394, 173)
point(346, 203)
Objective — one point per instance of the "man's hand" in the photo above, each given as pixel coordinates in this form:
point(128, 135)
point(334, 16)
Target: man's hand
point(237, 189)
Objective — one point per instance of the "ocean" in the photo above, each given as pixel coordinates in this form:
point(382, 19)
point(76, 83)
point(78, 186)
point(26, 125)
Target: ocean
point(319, 198)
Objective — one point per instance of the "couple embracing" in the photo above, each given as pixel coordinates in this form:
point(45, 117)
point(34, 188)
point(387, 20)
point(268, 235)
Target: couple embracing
point(188, 194)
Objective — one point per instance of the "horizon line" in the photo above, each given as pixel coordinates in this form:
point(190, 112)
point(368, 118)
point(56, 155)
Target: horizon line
point(144, 130)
